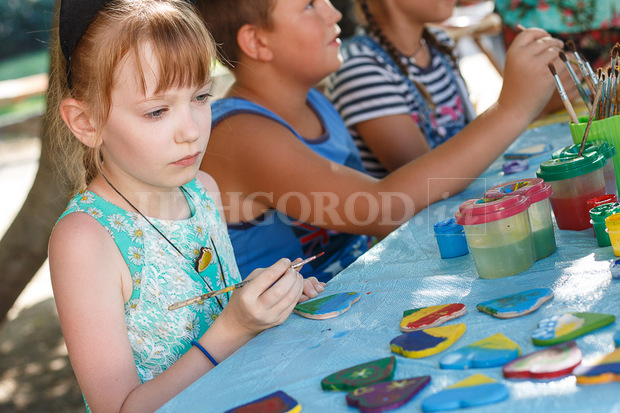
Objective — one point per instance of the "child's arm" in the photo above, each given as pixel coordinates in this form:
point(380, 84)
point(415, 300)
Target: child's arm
point(91, 283)
point(259, 164)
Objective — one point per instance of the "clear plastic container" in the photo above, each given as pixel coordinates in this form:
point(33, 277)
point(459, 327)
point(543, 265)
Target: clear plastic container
point(499, 235)
point(539, 211)
point(573, 181)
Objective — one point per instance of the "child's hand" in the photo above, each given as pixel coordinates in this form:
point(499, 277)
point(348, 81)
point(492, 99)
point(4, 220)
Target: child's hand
point(528, 83)
point(266, 301)
point(312, 288)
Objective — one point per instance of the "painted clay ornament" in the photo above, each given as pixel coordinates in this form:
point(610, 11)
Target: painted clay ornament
point(424, 343)
point(568, 326)
point(388, 395)
point(546, 364)
point(614, 268)
point(518, 304)
point(427, 317)
point(361, 375)
point(604, 370)
point(476, 390)
point(276, 402)
point(493, 351)
point(327, 307)
point(204, 259)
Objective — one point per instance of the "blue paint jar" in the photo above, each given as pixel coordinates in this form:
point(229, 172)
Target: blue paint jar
point(450, 238)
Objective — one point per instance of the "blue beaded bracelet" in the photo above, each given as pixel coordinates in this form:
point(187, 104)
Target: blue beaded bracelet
point(204, 351)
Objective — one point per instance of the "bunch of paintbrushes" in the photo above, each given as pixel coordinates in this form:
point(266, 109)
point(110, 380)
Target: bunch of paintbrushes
point(603, 82)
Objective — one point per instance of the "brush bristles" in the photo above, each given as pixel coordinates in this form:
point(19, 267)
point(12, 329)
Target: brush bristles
point(563, 56)
point(552, 68)
point(615, 51)
point(571, 46)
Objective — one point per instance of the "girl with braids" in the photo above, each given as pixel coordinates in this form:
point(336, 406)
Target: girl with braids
point(132, 89)
point(399, 89)
point(291, 178)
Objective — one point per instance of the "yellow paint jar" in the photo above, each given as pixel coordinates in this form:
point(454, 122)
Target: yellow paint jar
point(612, 223)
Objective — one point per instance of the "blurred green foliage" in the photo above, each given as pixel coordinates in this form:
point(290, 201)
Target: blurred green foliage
point(25, 26)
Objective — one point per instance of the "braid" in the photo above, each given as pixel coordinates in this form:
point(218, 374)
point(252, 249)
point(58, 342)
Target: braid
point(374, 28)
point(443, 48)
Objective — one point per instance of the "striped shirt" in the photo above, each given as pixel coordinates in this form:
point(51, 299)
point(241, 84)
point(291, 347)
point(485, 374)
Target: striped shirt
point(366, 88)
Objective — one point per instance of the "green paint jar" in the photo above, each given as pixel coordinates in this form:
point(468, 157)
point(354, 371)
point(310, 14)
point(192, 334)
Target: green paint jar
point(598, 214)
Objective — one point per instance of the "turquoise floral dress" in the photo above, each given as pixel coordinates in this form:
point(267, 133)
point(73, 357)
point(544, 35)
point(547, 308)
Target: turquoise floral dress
point(593, 25)
point(159, 337)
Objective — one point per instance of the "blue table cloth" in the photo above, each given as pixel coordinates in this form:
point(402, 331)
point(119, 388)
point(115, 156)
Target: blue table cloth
point(405, 271)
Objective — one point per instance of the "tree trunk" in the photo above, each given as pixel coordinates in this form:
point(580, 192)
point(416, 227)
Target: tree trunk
point(23, 249)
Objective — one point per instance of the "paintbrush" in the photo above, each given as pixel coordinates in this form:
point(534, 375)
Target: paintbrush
point(590, 80)
point(563, 95)
point(597, 97)
point(203, 297)
point(582, 92)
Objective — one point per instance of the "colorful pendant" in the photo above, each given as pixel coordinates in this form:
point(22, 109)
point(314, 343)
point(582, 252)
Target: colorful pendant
point(205, 256)
point(387, 395)
point(361, 375)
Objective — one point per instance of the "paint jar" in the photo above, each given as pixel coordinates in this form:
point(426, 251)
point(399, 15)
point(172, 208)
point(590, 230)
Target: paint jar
point(600, 200)
point(608, 151)
point(607, 129)
point(573, 181)
point(612, 223)
point(450, 238)
point(538, 192)
point(499, 235)
point(598, 214)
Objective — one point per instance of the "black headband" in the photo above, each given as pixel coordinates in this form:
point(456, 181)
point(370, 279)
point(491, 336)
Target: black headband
point(73, 21)
point(75, 17)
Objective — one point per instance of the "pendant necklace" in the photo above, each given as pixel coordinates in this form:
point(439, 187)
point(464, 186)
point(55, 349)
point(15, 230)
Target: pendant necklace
point(205, 257)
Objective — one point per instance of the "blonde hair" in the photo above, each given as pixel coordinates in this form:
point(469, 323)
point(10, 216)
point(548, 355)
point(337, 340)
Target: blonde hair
point(181, 44)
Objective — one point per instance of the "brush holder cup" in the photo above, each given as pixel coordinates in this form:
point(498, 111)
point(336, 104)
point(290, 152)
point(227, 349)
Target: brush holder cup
point(602, 147)
point(538, 192)
point(608, 130)
point(573, 181)
point(499, 235)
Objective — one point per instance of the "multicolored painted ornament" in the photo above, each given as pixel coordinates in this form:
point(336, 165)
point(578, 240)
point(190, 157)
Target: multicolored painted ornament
point(604, 370)
point(276, 402)
point(518, 304)
point(327, 307)
point(546, 364)
point(476, 390)
point(568, 326)
point(385, 396)
point(204, 259)
point(492, 351)
point(427, 317)
point(424, 343)
point(361, 375)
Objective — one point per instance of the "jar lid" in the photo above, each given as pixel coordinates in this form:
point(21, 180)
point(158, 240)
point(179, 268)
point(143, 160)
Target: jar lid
point(448, 226)
point(566, 168)
point(534, 188)
point(600, 212)
point(480, 211)
point(600, 200)
point(599, 146)
point(613, 221)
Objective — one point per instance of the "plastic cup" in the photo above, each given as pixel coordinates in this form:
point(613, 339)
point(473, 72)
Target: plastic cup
point(612, 223)
point(600, 200)
point(607, 129)
point(538, 192)
point(450, 238)
point(604, 148)
point(598, 214)
point(573, 181)
point(499, 235)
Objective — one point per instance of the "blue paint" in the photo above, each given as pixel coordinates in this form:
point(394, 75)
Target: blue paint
point(615, 269)
point(343, 333)
point(450, 238)
point(617, 338)
point(477, 357)
point(417, 341)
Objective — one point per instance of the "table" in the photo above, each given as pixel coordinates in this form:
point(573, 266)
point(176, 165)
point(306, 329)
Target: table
point(405, 271)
